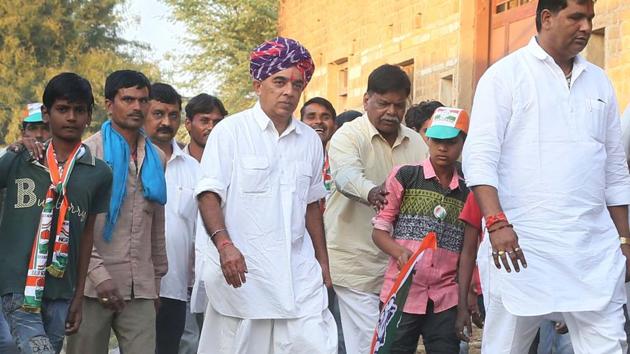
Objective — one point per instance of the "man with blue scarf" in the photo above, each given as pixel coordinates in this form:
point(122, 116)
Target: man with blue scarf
point(129, 256)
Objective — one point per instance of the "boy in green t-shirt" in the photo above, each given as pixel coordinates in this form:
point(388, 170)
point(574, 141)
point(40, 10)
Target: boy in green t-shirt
point(49, 211)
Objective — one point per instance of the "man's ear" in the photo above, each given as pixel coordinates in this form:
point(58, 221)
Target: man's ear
point(256, 85)
point(45, 114)
point(366, 96)
point(108, 106)
point(545, 19)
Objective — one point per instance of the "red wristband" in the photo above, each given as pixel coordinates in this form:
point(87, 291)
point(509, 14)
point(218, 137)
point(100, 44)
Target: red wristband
point(223, 243)
point(493, 219)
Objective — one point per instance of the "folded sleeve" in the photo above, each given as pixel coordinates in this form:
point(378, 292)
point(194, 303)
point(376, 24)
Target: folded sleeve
point(217, 163)
point(316, 190)
point(491, 112)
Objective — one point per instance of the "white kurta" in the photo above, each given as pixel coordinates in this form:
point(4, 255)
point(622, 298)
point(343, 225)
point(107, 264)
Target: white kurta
point(265, 182)
point(198, 296)
point(556, 159)
point(181, 216)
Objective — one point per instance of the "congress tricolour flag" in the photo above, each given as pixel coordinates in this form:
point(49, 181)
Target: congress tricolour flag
point(393, 307)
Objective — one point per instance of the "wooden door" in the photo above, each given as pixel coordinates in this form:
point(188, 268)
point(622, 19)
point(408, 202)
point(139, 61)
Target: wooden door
point(512, 25)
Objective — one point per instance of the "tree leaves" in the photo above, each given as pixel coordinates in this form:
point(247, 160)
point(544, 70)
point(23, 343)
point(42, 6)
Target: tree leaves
point(225, 31)
point(41, 38)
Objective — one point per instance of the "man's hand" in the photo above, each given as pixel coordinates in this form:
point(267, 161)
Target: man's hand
point(561, 328)
point(625, 249)
point(403, 257)
point(109, 296)
point(505, 244)
point(376, 197)
point(326, 275)
point(463, 326)
point(73, 319)
point(156, 304)
point(233, 265)
point(33, 146)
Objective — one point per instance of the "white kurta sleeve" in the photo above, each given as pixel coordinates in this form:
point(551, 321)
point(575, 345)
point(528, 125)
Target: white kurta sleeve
point(617, 176)
point(492, 109)
point(217, 163)
point(316, 190)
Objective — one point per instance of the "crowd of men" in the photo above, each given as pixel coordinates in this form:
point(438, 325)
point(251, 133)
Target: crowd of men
point(269, 234)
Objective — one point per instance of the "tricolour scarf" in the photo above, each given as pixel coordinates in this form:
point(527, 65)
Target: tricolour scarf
point(116, 153)
point(36, 276)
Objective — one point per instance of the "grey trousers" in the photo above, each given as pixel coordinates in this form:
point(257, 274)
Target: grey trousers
point(134, 328)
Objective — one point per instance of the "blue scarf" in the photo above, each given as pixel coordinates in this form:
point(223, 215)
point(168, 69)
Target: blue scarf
point(116, 154)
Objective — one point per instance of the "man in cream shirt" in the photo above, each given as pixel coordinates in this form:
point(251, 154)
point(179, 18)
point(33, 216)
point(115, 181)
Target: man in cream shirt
point(362, 153)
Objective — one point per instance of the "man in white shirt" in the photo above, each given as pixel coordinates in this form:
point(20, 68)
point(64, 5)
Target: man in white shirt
point(161, 126)
point(362, 153)
point(544, 154)
point(261, 182)
point(203, 113)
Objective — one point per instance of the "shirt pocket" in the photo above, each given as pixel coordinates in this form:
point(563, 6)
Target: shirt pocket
point(254, 173)
point(595, 118)
point(186, 204)
point(304, 175)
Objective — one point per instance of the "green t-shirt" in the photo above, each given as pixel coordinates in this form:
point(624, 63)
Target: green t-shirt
point(26, 184)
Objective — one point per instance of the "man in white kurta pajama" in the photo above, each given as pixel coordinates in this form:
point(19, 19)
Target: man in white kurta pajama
point(545, 148)
point(259, 199)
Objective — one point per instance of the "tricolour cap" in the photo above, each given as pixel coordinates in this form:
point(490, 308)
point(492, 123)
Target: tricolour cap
point(447, 122)
point(33, 113)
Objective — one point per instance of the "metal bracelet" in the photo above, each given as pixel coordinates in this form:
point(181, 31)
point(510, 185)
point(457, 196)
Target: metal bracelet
point(216, 232)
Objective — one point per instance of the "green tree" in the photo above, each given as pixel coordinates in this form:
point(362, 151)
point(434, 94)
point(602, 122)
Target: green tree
point(41, 38)
point(225, 32)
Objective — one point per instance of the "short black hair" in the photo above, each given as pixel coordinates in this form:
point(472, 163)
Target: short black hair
point(125, 79)
point(347, 116)
point(389, 78)
point(204, 103)
point(68, 86)
point(320, 101)
point(165, 93)
point(553, 6)
point(420, 113)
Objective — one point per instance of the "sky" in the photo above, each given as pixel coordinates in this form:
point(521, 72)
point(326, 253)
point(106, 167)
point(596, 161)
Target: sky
point(150, 21)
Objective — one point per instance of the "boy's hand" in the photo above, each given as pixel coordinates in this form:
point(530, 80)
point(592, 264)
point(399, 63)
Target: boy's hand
point(403, 257)
point(109, 296)
point(463, 326)
point(473, 309)
point(73, 319)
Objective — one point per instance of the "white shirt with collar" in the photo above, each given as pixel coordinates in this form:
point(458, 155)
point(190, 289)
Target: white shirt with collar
point(181, 215)
point(198, 296)
point(556, 158)
point(265, 181)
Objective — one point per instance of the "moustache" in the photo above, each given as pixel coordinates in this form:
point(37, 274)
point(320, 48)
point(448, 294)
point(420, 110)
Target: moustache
point(165, 130)
point(391, 118)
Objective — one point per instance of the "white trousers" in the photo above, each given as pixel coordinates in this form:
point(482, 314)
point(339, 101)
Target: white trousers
point(314, 334)
point(359, 317)
point(592, 332)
